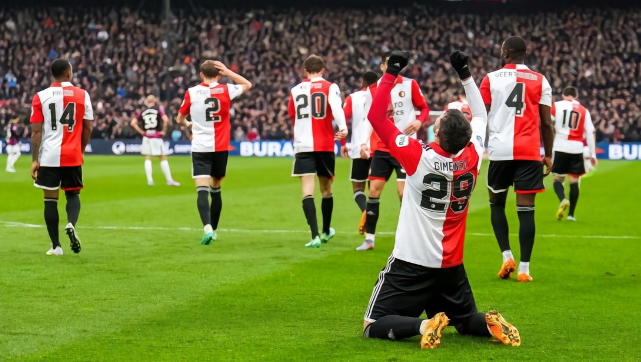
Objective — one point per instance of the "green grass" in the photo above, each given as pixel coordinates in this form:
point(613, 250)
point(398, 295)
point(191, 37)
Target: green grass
point(158, 295)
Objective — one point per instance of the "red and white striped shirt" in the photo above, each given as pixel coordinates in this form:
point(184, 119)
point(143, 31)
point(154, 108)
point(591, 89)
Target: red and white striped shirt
point(313, 105)
point(515, 93)
point(405, 98)
point(356, 107)
point(431, 224)
point(209, 105)
point(61, 108)
point(572, 124)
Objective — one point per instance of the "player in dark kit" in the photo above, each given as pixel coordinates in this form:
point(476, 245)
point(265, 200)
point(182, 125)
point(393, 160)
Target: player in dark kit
point(518, 101)
point(154, 128)
point(425, 272)
point(15, 131)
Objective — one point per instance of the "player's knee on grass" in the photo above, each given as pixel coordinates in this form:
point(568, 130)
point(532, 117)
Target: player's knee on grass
point(475, 325)
point(393, 327)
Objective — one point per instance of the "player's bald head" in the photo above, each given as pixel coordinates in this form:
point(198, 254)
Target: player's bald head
point(208, 69)
point(514, 49)
point(61, 69)
point(453, 131)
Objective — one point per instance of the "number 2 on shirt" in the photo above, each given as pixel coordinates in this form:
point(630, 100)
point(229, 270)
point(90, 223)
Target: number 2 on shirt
point(214, 107)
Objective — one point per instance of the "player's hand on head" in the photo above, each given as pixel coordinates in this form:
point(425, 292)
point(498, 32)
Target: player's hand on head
point(397, 61)
point(459, 60)
point(221, 67)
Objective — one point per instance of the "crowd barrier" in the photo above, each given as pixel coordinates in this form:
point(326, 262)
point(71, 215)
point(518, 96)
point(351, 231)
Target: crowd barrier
point(120, 147)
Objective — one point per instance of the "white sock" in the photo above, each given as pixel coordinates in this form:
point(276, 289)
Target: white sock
point(524, 267)
point(507, 255)
point(148, 170)
point(423, 326)
point(208, 229)
point(164, 165)
point(371, 237)
point(11, 159)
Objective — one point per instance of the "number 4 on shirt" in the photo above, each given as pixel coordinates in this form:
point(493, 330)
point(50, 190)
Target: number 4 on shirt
point(68, 116)
point(515, 99)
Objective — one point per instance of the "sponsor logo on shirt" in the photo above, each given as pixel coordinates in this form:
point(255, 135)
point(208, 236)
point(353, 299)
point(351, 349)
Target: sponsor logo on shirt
point(217, 91)
point(402, 140)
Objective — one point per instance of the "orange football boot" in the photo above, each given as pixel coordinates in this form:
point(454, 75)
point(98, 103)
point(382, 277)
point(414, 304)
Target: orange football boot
point(501, 329)
point(361, 224)
point(432, 336)
point(507, 269)
point(524, 278)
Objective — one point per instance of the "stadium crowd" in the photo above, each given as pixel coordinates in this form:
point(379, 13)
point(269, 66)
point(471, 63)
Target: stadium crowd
point(119, 56)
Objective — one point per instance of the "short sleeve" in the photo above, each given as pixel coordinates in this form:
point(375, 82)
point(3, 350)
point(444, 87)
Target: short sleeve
point(36, 110)
point(486, 93)
point(553, 112)
point(347, 108)
point(161, 111)
point(184, 107)
point(546, 93)
point(234, 90)
point(88, 108)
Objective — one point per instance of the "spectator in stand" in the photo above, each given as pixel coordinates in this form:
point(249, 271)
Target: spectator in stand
point(118, 55)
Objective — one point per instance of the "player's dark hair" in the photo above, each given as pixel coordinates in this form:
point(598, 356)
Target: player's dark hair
point(208, 69)
point(314, 64)
point(571, 92)
point(385, 56)
point(516, 46)
point(59, 67)
point(369, 78)
point(454, 131)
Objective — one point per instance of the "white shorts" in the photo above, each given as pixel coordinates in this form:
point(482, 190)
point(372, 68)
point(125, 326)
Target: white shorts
point(13, 149)
point(153, 147)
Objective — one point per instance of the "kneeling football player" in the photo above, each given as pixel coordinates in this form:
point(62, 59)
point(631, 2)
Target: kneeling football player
point(425, 272)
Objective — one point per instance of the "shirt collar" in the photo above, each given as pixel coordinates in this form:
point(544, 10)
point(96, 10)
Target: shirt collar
point(515, 66)
point(61, 84)
point(437, 148)
point(210, 85)
point(316, 79)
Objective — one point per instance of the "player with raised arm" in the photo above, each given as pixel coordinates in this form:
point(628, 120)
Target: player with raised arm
point(356, 107)
point(15, 131)
point(518, 101)
point(406, 98)
point(573, 124)
point(154, 128)
point(313, 105)
point(61, 123)
point(425, 272)
point(208, 104)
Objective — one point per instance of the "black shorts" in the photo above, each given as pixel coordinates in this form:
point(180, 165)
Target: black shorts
point(360, 169)
point(66, 178)
point(314, 163)
point(209, 164)
point(526, 176)
point(408, 289)
point(571, 164)
point(383, 164)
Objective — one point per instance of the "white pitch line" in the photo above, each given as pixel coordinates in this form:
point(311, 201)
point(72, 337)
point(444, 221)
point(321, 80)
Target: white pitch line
point(288, 231)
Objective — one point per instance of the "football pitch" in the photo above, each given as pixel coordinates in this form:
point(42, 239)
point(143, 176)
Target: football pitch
point(144, 289)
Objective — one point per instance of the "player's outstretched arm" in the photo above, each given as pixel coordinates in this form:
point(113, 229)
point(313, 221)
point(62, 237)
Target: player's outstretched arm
point(402, 147)
point(236, 78)
point(459, 61)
